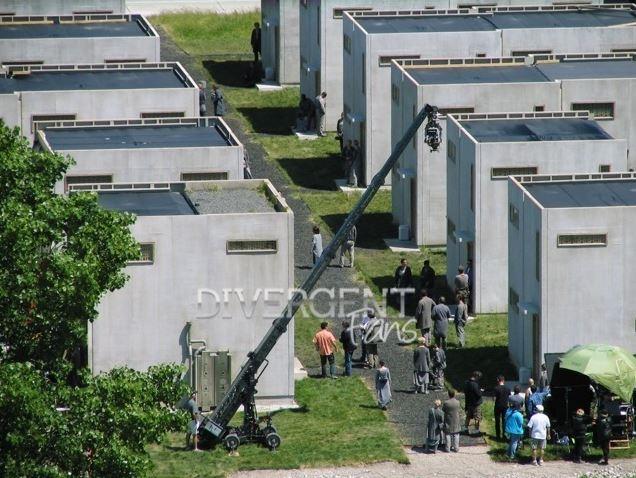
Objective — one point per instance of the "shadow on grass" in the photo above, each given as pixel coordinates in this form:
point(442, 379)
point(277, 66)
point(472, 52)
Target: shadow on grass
point(313, 173)
point(270, 120)
point(491, 361)
point(229, 73)
point(372, 227)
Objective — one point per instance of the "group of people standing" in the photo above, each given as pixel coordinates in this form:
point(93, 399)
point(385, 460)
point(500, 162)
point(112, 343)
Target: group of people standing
point(369, 333)
point(348, 247)
point(311, 114)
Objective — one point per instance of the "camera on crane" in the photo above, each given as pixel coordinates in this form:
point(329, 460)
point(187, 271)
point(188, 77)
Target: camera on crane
point(433, 131)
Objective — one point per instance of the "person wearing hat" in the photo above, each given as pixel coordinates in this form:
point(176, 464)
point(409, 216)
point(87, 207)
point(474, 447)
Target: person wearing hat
point(539, 425)
point(421, 366)
point(604, 435)
point(580, 421)
point(193, 426)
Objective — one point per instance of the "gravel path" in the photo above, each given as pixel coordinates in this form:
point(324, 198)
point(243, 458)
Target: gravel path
point(470, 462)
point(225, 201)
point(408, 411)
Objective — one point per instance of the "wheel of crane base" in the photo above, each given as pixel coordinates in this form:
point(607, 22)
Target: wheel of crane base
point(268, 429)
point(272, 440)
point(231, 442)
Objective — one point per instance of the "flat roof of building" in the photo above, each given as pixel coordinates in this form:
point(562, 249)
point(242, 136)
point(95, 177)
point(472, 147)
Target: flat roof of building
point(136, 137)
point(199, 201)
point(584, 193)
point(534, 129)
point(74, 30)
point(541, 72)
point(147, 203)
point(476, 74)
point(120, 79)
point(497, 20)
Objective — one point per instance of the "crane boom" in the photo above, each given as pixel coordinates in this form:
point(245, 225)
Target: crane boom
point(242, 389)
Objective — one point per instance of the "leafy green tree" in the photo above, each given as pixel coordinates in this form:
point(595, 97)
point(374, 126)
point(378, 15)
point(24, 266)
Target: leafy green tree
point(58, 256)
point(101, 429)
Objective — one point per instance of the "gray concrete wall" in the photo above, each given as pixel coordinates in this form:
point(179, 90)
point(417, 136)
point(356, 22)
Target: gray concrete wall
point(372, 101)
point(488, 223)
point(281, 56)
point(617, 91)
point(604, 307)
point(431, 185)
point(602, 310)
point(55, 7)
point(144, 323)
point(466, 154)
point(521, 276)
point(326, 57)
point(153, 165)
point(79, 50)
point(555, 96)
point(568, 40)
point(103, 104)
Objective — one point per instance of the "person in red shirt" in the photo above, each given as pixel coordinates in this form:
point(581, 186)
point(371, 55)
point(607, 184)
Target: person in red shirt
point(326, 346)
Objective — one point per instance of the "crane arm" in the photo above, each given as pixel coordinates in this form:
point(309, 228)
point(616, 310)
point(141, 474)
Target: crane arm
point(216, 424)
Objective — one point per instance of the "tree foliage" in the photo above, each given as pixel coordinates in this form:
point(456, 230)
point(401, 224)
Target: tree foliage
point(58, 256)
point(98, 430)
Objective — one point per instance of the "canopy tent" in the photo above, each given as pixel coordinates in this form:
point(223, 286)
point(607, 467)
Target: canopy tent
point(612, 367)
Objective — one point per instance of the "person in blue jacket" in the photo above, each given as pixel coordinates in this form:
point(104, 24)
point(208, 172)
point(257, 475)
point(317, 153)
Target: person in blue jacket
point(514, 430)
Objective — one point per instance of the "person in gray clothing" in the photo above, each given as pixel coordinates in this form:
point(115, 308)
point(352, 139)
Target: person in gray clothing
point(218, 100)
point(452, 422)
point(438, 365)
point(441, 314)
point(421, 366)
point(202, 99)
point(516, 400)
point(461, 319)
point(321, 111)
point(316, 245)
point(349, 246)
point(462, 286)
point(435, 427)
point(423, 315)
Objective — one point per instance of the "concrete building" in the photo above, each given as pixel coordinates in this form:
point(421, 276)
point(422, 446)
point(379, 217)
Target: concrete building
point(77, 39)
point(280, 40)
point(211, 250)
point(171, 149)
point(600, 83)
point(484, 149)
point(89, 92)
point(376, 37)
point(321, 45)
point(60, 7)
point(572, 256)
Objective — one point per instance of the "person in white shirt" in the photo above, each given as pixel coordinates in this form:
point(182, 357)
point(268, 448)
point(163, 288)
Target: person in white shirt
point(539, 425)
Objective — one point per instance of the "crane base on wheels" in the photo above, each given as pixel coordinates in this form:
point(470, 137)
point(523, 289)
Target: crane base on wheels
point(253, 429)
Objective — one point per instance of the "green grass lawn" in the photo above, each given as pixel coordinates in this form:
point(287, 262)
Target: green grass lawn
point(204, 34)
point(337, 423)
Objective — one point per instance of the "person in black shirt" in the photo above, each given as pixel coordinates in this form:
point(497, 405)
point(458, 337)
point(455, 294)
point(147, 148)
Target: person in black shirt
point(501, 404)
point(473, 399)
point(604, 435)
point(255, 41)
point(427, 276)
point(580, 421)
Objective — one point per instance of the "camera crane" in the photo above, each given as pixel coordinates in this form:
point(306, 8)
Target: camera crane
point(216, 428)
